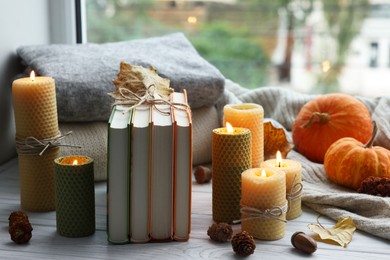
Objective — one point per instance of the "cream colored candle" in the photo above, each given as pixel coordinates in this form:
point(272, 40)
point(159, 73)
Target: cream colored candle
point(264, 203)
point(251, 116)
point(293, 170)
point(35, 109)
point(231, 155)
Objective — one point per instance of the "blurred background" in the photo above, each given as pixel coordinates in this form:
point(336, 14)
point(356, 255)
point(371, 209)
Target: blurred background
point(312, 46)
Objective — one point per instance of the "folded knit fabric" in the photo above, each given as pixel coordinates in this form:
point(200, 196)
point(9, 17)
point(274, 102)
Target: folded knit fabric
point(370, 213)
point(84, 72)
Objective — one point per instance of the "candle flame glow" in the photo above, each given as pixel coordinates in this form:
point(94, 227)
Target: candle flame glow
point(279, 158)
point(75, 162)
point(263, 173)
point(32, 75)
point(229, 128)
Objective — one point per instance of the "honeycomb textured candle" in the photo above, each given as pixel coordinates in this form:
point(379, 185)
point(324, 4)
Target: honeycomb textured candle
point(75, 196)
point(293, 170)
point(251, 116)
point(231, 155)
point(264, 193)
point(36, 116)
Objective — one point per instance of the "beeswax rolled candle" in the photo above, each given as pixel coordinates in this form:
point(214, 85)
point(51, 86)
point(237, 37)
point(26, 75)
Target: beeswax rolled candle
point(264, 203)
point(293, 170)
point(35, 110)
point(75, 196)
point(251, 116)
point(231, 155)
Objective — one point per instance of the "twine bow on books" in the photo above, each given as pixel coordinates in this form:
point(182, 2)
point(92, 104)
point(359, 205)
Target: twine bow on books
point(275, 213)
point(136, 85)
point(33, 146)
point(149, 97)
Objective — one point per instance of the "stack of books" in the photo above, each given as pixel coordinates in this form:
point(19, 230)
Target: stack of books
point(149, 173)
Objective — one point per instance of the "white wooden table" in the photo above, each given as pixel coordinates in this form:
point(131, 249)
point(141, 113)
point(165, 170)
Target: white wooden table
point(47, 244)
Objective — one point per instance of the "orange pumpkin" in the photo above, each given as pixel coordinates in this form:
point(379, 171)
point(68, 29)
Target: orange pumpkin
point(326, 119)
point(348, 162)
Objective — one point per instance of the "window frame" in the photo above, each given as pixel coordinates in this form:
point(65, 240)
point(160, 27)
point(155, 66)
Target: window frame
point(67, 21)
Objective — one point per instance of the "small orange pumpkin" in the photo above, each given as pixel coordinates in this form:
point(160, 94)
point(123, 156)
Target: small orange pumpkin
point(348, 162)
point(327, 118)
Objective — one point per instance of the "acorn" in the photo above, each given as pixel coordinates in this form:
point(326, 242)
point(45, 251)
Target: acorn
point(202, 174)
point(303, 242)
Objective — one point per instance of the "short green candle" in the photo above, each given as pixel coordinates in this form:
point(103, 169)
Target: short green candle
point(75, 196)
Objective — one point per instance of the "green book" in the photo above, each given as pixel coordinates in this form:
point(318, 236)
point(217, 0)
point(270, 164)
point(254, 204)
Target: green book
point(118, 167)
point(140, 174)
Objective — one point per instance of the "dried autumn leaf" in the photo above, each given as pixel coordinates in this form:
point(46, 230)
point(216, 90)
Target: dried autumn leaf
point(341, 233)
point(138, 79)
point(275, 140)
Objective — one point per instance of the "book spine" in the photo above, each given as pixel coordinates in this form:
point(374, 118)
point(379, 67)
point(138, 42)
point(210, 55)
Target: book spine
point(161, 225)
point(182, 173)
point(117, 183)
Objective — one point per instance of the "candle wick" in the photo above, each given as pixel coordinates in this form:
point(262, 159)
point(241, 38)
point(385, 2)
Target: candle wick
point(279, 164)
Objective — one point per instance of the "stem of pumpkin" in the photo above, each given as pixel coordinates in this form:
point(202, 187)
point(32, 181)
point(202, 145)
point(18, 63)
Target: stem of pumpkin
point(322, 119)
point(374, 131)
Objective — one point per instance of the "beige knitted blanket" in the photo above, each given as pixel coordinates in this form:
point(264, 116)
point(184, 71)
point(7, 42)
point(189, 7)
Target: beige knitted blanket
point(370, 213)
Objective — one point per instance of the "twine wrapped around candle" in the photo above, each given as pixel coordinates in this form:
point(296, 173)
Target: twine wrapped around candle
point(264, 204)
point(33, 146)
point(254, 213)
point(293, 170)
point(295, 192)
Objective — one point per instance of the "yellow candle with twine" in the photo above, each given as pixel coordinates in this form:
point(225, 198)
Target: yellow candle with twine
point(263, 202)
point(293, 170)
point(251, 116)
point(231, 155)
point(35, 110)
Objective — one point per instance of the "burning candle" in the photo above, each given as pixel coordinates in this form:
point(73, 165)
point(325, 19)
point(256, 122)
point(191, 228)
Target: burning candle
point(251, 116)
point(231, 155)
point(293, 170)
point(264, 206)
point(35, 110)
point(75, 196)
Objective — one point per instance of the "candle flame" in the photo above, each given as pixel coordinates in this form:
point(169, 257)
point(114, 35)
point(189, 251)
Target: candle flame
point(32, 75)
point(75, 162)
point(229, 128)
point(263, 173)
point(279, 158)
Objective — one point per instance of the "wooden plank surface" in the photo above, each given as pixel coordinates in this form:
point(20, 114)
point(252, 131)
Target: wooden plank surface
point(47, 244)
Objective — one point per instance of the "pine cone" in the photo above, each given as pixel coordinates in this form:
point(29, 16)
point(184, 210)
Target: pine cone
point(243, 244)
point(20, 231)
point(378, 186)
point(16, 216)
point(221, 232)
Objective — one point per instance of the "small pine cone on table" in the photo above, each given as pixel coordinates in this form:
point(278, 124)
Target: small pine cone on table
point(220, 232)
point(243, 244)
point(16, 216)
point(20, 231)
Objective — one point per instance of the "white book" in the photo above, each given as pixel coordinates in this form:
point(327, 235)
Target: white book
point(161, 174)
point(118, 172)
point(182, 167)
point(140, 174)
